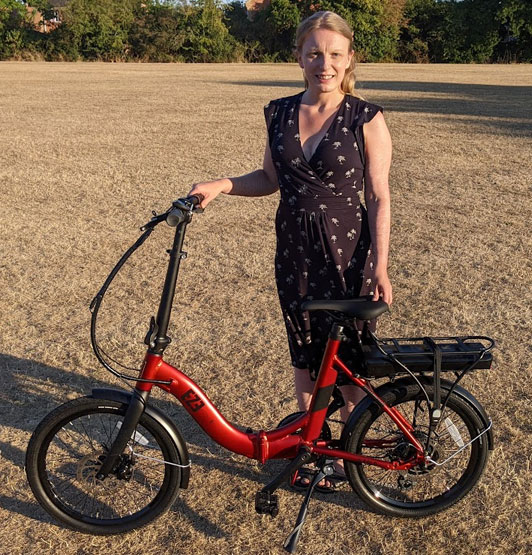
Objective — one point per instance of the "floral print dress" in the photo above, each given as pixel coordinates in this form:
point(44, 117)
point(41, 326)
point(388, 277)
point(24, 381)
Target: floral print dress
point(323, 238)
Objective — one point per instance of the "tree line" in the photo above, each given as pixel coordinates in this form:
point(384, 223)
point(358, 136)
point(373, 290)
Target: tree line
point(443, 31)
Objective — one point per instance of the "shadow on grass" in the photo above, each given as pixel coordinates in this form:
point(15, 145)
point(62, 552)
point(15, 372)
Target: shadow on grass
point(502, 109)
point(34, 512)
point(32, 389)
point(30, 392)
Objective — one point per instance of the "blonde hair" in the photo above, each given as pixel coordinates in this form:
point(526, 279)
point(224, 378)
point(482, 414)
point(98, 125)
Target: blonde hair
point(332, 22)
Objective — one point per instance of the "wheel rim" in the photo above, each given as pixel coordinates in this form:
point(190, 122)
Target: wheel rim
point(71, 459)
point(426, 485)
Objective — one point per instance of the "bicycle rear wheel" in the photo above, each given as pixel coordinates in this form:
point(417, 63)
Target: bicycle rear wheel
point(66, 451)
point(422, 490)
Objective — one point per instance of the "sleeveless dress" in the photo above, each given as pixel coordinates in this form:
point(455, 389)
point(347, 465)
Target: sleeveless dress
point(323, 238)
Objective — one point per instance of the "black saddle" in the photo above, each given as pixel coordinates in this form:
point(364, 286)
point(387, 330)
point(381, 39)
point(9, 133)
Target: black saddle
point(361, 308)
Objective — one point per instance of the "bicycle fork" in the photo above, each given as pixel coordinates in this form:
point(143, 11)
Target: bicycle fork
point(131, 419)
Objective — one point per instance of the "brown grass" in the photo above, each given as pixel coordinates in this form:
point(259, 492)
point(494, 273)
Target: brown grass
point(87, 150)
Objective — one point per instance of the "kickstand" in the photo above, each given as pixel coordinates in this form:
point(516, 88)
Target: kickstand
point(290, 544)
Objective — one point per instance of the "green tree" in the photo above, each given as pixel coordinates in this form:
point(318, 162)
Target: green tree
point(422, 36)
point(207, 39)
point(243, 30)
point(282, 19)
point(471, 31)
point(158, 33)
point(270, 35)
point(95, 29)
point(14, 25)
point(515, 32)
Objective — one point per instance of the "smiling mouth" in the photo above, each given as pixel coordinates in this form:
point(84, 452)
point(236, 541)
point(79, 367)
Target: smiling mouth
point(324, 77)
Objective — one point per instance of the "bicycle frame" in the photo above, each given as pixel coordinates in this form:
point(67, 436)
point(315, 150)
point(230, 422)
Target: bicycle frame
point(281, 442)
point(263, 445)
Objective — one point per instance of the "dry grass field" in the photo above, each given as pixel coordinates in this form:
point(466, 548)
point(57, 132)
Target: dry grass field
point(88, 150)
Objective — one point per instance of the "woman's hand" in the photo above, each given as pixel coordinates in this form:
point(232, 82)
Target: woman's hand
point(382, 287)
point(209, 190)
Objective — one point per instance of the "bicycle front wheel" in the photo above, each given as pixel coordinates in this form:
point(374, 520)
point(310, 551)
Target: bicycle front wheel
point(425, 489)
point(66, 451)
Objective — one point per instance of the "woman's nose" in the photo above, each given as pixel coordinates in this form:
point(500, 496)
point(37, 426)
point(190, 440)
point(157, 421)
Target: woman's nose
point(325, 62)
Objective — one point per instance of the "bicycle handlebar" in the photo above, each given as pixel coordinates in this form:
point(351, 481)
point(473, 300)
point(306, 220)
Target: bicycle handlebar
point(181, 210)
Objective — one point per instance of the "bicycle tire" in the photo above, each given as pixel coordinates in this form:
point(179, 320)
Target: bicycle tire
point(66, 450)
point(421, 491)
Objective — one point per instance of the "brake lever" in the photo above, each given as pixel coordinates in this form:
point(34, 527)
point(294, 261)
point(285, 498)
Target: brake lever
point(157, 219)
point(188, 206)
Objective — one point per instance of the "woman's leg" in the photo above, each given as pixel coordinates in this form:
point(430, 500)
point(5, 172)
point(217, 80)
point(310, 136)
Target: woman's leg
point(304, 387)
point(352, 396)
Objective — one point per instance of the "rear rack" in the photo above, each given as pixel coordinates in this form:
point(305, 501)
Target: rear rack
point(390, 356)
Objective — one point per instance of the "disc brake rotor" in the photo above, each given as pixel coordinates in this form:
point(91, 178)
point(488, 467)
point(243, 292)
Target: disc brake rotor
point(87, 469)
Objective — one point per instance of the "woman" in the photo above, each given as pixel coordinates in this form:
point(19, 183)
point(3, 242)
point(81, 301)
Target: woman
point(323, 145)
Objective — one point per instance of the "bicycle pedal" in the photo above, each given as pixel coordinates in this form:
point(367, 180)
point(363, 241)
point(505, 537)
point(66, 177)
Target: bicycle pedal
point(266, 503)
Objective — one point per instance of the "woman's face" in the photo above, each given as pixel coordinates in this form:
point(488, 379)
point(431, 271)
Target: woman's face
point(324, 58)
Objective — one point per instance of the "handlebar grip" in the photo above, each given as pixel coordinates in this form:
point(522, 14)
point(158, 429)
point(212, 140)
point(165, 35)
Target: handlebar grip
point(182, 208)
point(194, 199)
point(187, 202)
point(175, 217)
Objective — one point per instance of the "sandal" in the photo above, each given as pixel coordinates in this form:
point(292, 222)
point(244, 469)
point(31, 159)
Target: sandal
point(303, 478)
point(332, 483)
point(329, 484)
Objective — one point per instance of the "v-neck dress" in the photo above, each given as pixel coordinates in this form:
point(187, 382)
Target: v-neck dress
point(323, 239)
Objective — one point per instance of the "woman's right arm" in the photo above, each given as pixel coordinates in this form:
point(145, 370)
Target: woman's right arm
point(255, 184)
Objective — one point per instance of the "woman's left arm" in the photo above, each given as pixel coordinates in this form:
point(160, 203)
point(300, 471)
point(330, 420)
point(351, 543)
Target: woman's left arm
point(378, 147)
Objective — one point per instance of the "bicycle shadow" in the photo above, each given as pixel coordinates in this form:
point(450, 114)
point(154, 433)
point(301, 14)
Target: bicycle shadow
point(31, 389)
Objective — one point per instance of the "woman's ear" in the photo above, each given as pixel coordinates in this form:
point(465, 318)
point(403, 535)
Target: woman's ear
point(350, 57)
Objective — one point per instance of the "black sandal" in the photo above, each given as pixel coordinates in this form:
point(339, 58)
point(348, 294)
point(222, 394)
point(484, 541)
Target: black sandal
point(329, 484)
point(303, 478)
point(332, 483)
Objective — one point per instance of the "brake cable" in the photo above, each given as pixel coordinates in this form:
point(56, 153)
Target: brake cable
point(96, 302)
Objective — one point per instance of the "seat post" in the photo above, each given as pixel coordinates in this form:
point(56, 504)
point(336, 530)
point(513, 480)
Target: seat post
point(337, 332)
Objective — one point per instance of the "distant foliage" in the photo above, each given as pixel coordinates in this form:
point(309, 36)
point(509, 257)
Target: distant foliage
point(458, 31)
point(15, 29)
point(207, 38)
point(157, 35)
point(466, 31)
point(96, 29)
point(269, 36)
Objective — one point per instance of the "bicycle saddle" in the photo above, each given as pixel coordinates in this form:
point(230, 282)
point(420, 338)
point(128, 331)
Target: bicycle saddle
point(361, 308)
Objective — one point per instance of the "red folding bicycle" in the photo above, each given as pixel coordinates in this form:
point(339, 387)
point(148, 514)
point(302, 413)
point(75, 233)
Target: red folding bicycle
point(415, 445)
